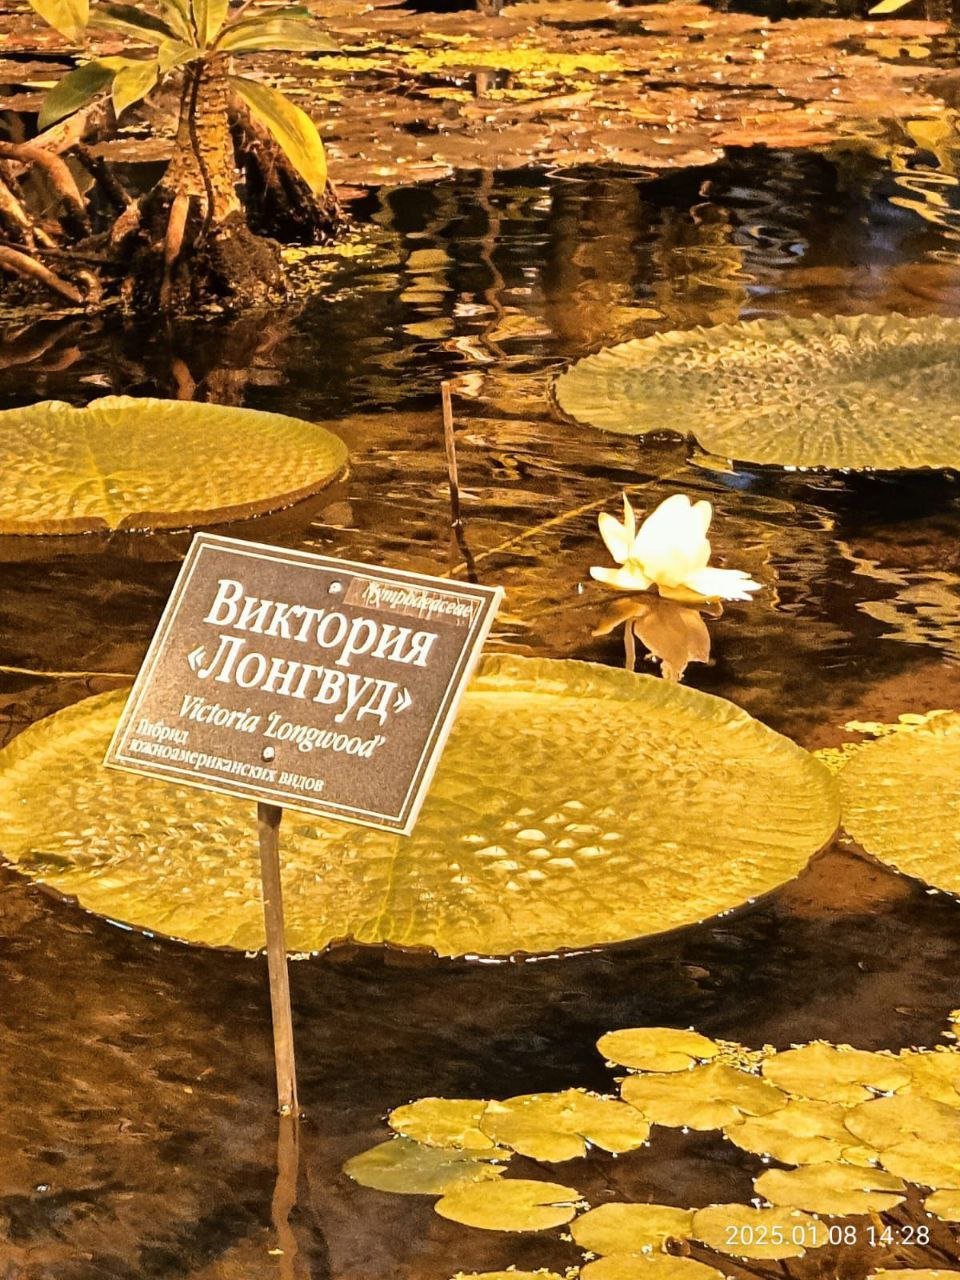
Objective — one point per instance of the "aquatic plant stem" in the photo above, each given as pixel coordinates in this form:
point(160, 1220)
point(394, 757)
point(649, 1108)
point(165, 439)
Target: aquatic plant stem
point(268, 826)
point(453, 480)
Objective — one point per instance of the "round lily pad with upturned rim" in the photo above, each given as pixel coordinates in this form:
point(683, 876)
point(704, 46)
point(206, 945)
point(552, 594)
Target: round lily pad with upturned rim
point(574, 806)
point(123, 462)
point(874, 393)
point(902, 804)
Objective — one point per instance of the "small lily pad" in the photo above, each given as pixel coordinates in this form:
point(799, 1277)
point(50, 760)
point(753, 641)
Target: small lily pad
point(746, 1232)
point(902, 804)
point(656, 1048)
point(574, 806)
point(128, 463)
point(929, 1164)
point(508, 1275)
point(844, 392)
point(708, 1097)
point(945, 1204)
point(558, 1126)
point(802, 1132)
point(912, 1273)
point(935, 1075)
point(648, 1266)
point(887, 1122)
point(832, 1189)
point(630, 1228)
point(515, 1204)
point(443, 1122)
point(408, 1169)
point(826, 1073)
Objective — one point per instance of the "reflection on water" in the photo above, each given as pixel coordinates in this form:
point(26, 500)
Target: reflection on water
point(136, 1086)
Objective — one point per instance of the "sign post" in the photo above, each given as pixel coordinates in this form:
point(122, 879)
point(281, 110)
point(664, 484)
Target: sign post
point(302, 681)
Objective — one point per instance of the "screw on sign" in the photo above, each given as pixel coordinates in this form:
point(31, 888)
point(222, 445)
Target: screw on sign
point(302, 681)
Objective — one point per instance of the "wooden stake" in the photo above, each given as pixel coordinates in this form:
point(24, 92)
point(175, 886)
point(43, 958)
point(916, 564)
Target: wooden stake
point(268, 826)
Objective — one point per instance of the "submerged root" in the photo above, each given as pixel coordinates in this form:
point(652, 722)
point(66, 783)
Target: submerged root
point(23, 266)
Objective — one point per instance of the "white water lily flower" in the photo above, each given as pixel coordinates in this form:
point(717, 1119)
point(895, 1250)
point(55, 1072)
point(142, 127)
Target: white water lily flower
point(669, 551)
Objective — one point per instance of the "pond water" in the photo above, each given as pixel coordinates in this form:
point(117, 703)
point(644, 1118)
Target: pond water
point(136, 1092)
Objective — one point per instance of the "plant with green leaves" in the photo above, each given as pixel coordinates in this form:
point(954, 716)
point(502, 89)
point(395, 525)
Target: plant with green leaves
point(189, 237)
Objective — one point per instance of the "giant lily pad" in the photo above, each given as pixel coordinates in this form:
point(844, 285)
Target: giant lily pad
point(574, 806)
point(126, 463)
point(901, 802)
point(847, 392)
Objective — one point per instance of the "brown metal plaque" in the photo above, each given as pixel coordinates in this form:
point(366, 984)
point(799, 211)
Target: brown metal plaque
point(303, 681)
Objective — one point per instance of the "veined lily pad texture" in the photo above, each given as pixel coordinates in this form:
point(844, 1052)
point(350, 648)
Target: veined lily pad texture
point(902, 804)
point(574, 806)
point(128, 463)
point(879, 393)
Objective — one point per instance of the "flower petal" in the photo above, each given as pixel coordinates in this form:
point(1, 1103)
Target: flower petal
point(722, 584)
point(671, 544)
point(628, 578)
point(617, 537)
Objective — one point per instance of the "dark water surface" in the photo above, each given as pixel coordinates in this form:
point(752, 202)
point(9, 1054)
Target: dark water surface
point(137, 1137)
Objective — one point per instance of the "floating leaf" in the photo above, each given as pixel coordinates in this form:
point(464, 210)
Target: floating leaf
point(934, 1075)
point(574, 805)
point(745, 1232)
point(902, 804)
point(886, 1122)
point(515, 1204)
point(708, 1097)
point(558, 1126)
point(142, 463)
point(945, 1204)
point(656, 1048)
point(508, 1275)
point(930, 1164)
point(838, 391)
point(828, 1073)
point(912, 1273)
point(833, 1189)
point(443, 1122)
point(408, 1169)
point(630, 1228)
point(802, 1132)
point(648, 1266)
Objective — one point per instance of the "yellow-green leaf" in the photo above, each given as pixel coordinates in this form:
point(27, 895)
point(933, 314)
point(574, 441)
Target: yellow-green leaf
point(708, 1097)
point(746, 1232)
point(292, 129)
point(631, 1228)
point(887, 6)
point(648, 1266)
point(832, 1073)
point(77, 88)
point(69, 17)
point(558, 1126)
point(209, 16)
point(443, 1122)
point(656, 1048)
point(406, 1168)
point(513, 1204)
point(133, 20)
point(133, 83)
point(832, 1189)
point(276, 35)
point(539, 832)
